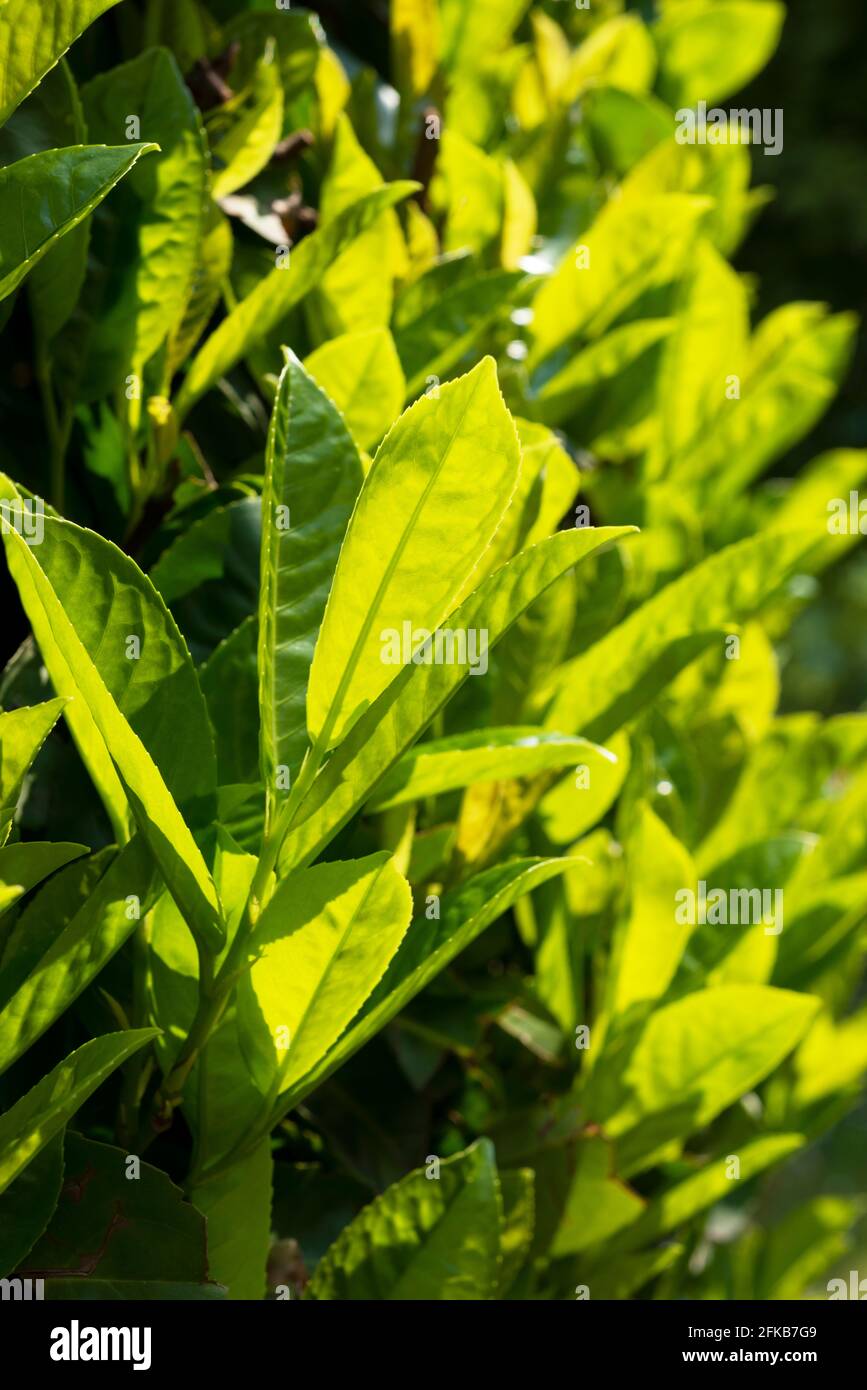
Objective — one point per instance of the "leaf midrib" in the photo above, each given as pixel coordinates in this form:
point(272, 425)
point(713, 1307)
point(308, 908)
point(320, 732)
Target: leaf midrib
point(397, 555)
point(326, 973)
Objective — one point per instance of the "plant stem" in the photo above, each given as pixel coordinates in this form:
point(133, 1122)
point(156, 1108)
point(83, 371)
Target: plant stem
point(59, 429)
point(215, 988)
point(137, 1068)
point(234, 963)
point(211, 1006)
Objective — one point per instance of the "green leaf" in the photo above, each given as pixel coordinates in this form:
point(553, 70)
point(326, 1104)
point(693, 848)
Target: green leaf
point(203, 292)
point(415, 39)
point(209, 575)
point(710, 51)
point(485, 755)
point(520, 217)
point(183, 27)
point(577, 803)
point(433, 335)
point(560, 923)
point(298, 40)
point(33, 1121)
point(220, 1103)
point(414, 698)
point(325, 940)
point(647, 951)
point(547, 486)
point(27, 1205)
point(361, 373)
point(237, 1206)
point(802, 1247)
point(619, 52)
point(841, 846)
point(781, 774)
point(32, 40)
point(147, 250)
point(66, 554)
point(745, 952)
point(831, 1058)
point(598, 1204)
point(623, 126)
point(131, 1290)
point(423, 1239)
point(392, 570)
point(429, 946)
point(266, 307)
point(825, 916)
point(112, 606)
point(45, 916)
point(469, 187)
point(517, 1189)
point(109, 1225)
point(230, 685)
point(808, 502)
point(47, 195)
point(79, 949)
point(246, 147)
point(312, 477)
point(471, 32)
point(22, 734)
point(22, 866)
point(635, 244)
point(616, 1280)
point(357, 291)
point(797, 361)
point(600, 690)
point(199, 554)
point(699, 1055)
point(712, 1183)
point(565, 393)
point(707, 347)
point(51, 117)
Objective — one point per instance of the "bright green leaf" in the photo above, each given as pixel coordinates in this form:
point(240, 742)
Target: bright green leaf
point(22, 734)
point(325, 940)
point(393, 573)
point(33, 39)
point(361, 372)
point(34, 1120)
point(64, 557)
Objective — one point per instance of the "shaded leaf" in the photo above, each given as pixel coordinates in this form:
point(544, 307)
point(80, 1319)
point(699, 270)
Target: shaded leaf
point(312, 477)
point(108, 1226)
point(78, 951)
point(422, 1239)
point(52, 193)
point(275, 296)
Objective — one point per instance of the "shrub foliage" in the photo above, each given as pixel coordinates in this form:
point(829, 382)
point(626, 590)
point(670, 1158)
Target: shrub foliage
point(409, 889)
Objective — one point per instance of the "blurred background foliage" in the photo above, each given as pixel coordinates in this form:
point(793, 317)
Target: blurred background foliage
point(811, 243)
